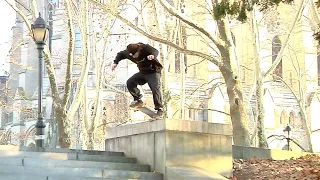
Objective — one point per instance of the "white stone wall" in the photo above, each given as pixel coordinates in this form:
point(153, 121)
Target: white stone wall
point(217, 103)
point(269, 107)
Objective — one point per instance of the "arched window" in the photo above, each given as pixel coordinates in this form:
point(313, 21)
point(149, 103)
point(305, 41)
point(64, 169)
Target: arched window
point(291, 119)
point(276, 46)
point(298, 123)
point(283, 118)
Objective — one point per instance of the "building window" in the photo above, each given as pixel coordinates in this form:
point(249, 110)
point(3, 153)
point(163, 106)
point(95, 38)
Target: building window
point(55, 3)
point(276, 46)
point(77, 43)
point(283, 119)
point(22, 80)
point(291, 119)
point(298, 121)
point(191, 114)
point(10, 117)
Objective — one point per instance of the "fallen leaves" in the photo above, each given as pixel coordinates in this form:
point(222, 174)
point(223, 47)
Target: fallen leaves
point(303, 168)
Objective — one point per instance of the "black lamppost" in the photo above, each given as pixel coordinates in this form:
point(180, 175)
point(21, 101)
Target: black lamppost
point(288, 129)
point(40, 32)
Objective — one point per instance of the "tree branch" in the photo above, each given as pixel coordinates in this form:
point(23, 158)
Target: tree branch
point(287, 85)
point(316, 130)
point(23, 16)
point(210, 110)
point(188, 21)
point(281, 52)
point(24, 6)
point(34, 8)
point(204, 84)
point(85, 59)
point(15, 47)
point(160, 40)
point(315, 12)
point(70, 56)
point(46, 51)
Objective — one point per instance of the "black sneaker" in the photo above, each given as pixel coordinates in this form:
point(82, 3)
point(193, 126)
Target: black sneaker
point(159, 114)
point(137, 104)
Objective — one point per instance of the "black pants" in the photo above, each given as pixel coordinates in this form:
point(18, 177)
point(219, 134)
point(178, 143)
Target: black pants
point(153, 80)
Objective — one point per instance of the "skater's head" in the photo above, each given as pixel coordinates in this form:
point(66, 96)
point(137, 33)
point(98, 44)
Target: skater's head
point(134, 49)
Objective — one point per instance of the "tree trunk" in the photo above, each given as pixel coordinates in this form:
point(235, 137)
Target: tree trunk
point(90, 140)
point(227, 65)
point(302, 106)
point(307, 129)
point(63, 128)
point(53, 125)
point(260, 113)
point(182, 75)
point(86, 59)
point(229, 72)
point(238, 110)
point(259, 84)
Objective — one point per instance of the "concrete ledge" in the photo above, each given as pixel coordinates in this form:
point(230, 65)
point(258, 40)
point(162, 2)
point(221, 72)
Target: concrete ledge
point(169, 124)
point(171, 143)
point(241, 152)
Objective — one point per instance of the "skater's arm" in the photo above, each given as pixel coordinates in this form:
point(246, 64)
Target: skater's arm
point(150, 50)
point(120, 56)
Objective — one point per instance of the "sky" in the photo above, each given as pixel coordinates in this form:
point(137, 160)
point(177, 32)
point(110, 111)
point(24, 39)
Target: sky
point(7, 20)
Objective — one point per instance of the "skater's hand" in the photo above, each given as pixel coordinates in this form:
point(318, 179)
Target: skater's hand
point(113, 67)
point(150, 57)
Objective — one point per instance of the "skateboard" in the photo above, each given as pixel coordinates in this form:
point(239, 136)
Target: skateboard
point(148, 112)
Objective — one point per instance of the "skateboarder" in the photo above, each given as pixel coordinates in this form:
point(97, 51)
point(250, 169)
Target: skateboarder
point(145, 56)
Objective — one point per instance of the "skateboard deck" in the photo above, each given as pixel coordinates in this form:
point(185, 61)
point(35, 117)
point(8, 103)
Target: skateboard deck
point(147, 111)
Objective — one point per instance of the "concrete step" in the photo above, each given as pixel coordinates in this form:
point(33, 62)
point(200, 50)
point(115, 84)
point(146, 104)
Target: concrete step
point(58, 150)
point(79, 172)
point(79, 151)
point(34, 162)
point(5, 176)
point(68, 156)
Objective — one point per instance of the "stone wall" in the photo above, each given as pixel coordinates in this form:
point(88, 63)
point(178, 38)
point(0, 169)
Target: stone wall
point(173, 143)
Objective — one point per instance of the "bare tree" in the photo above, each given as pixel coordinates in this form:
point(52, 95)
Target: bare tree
point(227, 65)
point(260, 77)
point(100, 40)
point(227, 62)
point(76, 15)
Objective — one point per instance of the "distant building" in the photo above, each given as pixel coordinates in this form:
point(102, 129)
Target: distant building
point(3, 100)
point(206, 97)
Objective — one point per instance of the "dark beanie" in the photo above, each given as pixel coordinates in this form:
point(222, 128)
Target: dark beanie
point(132, 48)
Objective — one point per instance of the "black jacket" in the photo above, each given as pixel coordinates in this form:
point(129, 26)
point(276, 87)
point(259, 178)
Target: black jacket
point(145, 66)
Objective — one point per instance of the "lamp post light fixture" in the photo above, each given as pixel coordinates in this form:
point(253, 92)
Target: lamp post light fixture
point(288, 129)
point(40, 32)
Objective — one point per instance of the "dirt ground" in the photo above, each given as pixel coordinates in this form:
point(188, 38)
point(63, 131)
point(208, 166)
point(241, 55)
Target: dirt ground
point(304, 168)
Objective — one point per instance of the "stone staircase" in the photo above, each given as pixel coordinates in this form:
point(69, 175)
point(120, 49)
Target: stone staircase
point(25, 163)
